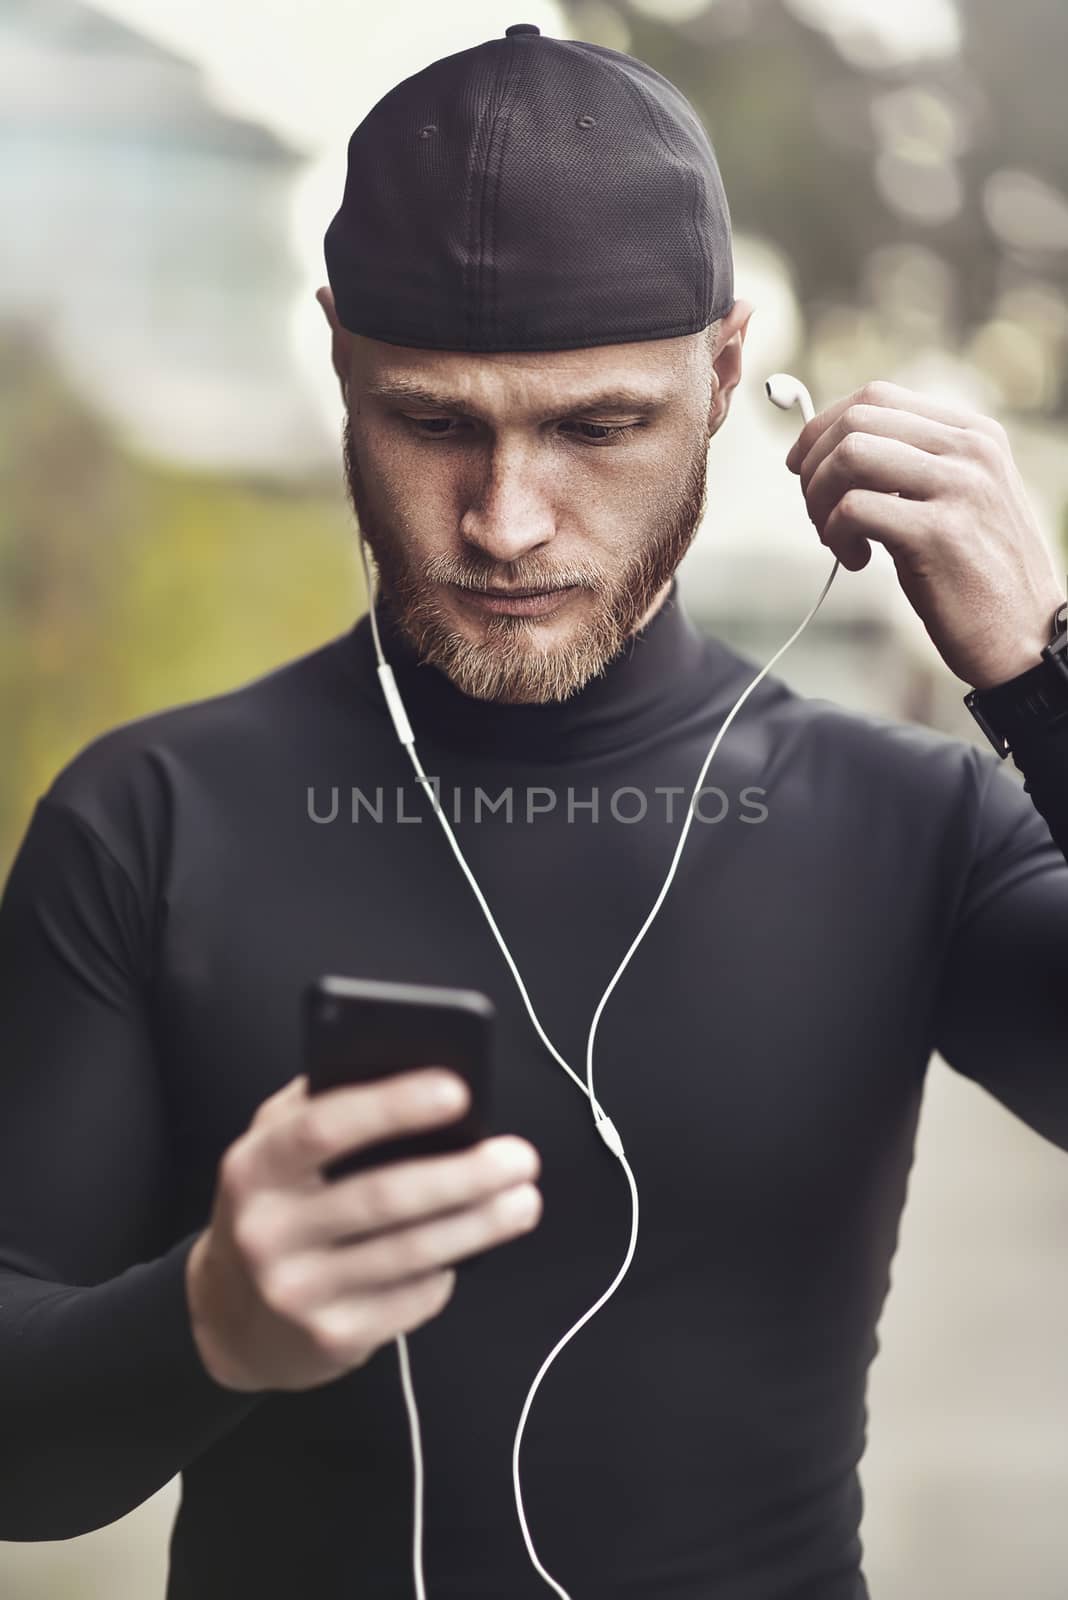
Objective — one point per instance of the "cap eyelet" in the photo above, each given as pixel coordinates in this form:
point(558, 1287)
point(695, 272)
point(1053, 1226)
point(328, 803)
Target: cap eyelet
point(427, 132)
point(585, 121)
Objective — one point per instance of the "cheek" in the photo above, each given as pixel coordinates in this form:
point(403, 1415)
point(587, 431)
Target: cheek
point(413, 498)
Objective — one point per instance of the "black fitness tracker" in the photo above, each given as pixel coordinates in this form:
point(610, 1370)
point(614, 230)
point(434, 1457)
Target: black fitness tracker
point(1036, 701)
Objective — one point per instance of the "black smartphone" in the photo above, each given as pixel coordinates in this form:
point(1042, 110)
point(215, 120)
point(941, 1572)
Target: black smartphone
point(357, 1030)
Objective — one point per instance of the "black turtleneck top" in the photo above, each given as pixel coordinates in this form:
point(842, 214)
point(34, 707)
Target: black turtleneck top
point(855, 894)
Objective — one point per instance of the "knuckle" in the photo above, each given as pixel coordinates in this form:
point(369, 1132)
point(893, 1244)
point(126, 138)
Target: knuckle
point(311, 1136)
point(418, 1252)
point(333, 1336)
point(877, 392)
point(856, 416)
point(262, 1114)
point(982, 445)
point(853, 448)
point(283, 1288)
point(234, 1166)
point(256, 1233)
point(246, 1237)
point(966, 476)
point(430, 1295)
point(377, 1200)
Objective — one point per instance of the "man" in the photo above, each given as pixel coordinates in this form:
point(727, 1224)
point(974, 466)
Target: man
point(532, 248)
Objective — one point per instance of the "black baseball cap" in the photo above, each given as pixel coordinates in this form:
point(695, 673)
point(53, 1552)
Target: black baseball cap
point(531, 193)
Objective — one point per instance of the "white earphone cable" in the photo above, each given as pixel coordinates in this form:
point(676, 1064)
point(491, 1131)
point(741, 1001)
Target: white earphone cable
point(783, 391)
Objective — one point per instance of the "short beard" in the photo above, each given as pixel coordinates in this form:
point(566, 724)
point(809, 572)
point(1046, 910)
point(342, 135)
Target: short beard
point(507, 665)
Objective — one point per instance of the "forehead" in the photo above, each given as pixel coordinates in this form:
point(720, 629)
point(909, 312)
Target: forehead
point(653, 371)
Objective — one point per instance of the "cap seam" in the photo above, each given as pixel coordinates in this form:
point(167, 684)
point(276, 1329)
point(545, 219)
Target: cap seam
point(472, 269)
point(635, 90)
point(516, 70)
point(622, 75)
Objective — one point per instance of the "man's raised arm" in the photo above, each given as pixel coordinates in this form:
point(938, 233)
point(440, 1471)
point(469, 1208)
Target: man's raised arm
point(1002, 1008)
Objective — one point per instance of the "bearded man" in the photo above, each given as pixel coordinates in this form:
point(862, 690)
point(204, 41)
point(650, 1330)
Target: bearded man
point(536, 336)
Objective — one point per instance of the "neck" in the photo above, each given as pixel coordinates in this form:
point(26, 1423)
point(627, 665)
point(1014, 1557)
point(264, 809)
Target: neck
point(659, 677)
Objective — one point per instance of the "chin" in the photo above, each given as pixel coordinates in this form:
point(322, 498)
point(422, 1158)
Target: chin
point(521, 669)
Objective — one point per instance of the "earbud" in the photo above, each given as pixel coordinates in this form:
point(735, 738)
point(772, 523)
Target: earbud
point(784, 392)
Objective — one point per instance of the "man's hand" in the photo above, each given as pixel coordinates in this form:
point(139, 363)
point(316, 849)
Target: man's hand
point(297, 1279)
point(939, 488)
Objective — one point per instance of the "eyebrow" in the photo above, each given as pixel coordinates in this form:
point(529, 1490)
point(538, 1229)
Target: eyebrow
point(615, 399)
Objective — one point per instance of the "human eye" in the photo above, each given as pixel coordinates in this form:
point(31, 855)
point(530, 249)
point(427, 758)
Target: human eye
point(588, 433)
point(599, 433)
point(430, 427)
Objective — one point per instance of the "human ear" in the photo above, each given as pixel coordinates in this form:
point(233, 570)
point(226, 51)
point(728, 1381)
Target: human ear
point(341, 342)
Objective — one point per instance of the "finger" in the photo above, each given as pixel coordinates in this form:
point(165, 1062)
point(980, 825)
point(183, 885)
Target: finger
point(406, 1191)
point(894, 397)
point(863, 515)
point(864, 461)
point(279, 1104)
point(293, 1148)
point(935, 438)
point(345, 1329)
point(401, 1253)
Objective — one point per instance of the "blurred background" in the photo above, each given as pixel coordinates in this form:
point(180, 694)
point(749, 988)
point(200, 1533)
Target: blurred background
point(173, 518)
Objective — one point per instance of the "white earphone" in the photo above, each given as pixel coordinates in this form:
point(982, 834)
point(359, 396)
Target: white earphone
point(785, 392)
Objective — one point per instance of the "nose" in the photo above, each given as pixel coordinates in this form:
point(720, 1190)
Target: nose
point(510, 515)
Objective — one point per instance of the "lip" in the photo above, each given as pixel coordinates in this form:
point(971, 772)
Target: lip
point(540, 604)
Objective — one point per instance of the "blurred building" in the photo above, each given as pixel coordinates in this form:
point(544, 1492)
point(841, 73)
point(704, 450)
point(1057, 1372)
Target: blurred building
point(148, 232)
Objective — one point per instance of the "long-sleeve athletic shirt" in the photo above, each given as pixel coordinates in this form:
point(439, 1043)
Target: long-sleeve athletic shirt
point(854, 894)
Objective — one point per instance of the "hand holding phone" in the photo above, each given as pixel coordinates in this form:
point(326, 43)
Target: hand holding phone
point(298, 1277)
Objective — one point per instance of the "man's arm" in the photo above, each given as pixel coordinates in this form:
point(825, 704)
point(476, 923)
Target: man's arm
point(102, 1392)
point(1002, 1005)
point(1042, 756)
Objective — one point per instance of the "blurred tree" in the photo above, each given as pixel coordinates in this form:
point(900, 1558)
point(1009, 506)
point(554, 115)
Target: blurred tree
point(833, 156)
point(126, 586)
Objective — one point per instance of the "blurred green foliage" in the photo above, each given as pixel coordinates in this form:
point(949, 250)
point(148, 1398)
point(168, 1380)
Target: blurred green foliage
point(126, 586)
point(802, 133)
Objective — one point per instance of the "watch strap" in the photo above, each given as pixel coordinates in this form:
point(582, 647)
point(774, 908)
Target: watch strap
point(1035, 701)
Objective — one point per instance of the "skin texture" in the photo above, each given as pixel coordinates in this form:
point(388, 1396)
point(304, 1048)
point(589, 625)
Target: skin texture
point(525, 493)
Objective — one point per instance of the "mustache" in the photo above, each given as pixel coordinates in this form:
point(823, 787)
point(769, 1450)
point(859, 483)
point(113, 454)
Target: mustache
point(525, 574)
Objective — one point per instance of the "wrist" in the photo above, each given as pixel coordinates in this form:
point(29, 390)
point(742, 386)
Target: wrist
point(1032, 704)
point(201, 1285)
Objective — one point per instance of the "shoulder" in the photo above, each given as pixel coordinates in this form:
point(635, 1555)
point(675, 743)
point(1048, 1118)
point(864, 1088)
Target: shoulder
point(906, 784)
point(790, 728)
point(873, 748)
point(861, 776)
